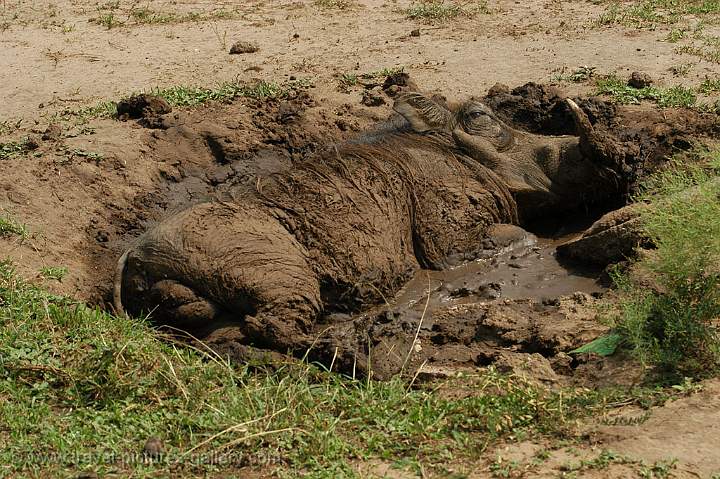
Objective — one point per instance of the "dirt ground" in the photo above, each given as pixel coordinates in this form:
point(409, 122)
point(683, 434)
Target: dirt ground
point(89, 188)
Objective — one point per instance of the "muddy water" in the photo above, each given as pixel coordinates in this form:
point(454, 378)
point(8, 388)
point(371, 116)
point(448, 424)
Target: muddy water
point(526, 268)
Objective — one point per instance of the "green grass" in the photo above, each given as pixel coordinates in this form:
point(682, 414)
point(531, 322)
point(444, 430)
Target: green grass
point(188, 96)
point(82, 389)
point(620, 92)
point(442, 10)
point(110, 16)
point(9, 227)
point(579, 75)
point(671, 323)
point(709, 86)
point(335, 4)
point(652, 13)
point(191, 96)
point(54, 272)
point(12, 149)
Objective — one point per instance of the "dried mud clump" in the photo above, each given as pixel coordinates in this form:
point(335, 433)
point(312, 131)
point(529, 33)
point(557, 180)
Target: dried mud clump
point(142, 106)
point(243, 47)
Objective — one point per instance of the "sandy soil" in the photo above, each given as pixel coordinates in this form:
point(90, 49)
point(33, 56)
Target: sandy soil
point(87, 192)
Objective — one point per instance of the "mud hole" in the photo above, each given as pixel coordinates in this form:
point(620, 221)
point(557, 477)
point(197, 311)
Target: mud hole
point(517, 306)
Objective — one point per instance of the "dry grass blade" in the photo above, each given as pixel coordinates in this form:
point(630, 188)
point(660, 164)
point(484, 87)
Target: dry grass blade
point(420, 322)
point(230, 429)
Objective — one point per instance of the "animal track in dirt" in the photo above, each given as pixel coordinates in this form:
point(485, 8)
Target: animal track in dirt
point(518, 300)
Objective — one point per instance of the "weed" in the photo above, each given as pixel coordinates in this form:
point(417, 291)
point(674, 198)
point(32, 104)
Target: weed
point(108, 20)
point(659, 470)
point(604, 460)
point(79, 152)
point(440, 10)
point(147, 16)
point(11, 227)
point(582, 74)
point(54, 272)
point(334, 4)
point(651, 13)
point(502, 468)
point(676, 96)
point(675, 35)
point(10, 126)
point(709, 86)
point(191, 96)
point(681, 70)
point(12, 149)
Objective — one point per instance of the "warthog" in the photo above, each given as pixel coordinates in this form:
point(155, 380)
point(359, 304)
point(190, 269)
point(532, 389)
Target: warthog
point(347, 227)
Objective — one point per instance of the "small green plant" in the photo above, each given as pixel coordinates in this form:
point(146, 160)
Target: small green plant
point(441, 10)
point(9, 126)
point(54, 272)
point(12, 149)
point(334, 4)
point(709, 86)
point(621, 92)
point(147, 16)
point(682, 69)
point(581, 74)
point(108, 20)
point(675, 35)
point(11, 227)
point(651, 13)
point(503, 468)
point(659, 470)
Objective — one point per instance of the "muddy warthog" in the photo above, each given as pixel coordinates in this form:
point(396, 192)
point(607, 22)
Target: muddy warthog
point(347, 227)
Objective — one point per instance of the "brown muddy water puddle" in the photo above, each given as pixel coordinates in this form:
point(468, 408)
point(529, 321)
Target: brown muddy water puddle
point(525, 268)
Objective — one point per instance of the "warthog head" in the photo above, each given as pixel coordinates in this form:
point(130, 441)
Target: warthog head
point(539, 170)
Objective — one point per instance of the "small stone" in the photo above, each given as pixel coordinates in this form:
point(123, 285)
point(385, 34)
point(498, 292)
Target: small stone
point(490, 291)
point(52, 133)
point(415, 33)
point(154, 447)
point(244, 47)
point(640, 80)
point(32, 143)
point(551, 301)
point(371, 98)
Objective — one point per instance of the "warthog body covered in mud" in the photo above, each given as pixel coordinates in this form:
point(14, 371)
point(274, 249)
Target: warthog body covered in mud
point(347, 227)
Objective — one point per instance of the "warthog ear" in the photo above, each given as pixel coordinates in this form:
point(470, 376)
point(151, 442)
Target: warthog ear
point(422, 112)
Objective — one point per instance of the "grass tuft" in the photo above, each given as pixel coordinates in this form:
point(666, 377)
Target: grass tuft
point(651, 13)
point(672, 324)
point(12, 149)
point(621, 92)
point(11, 227)
point(335, 4)
point(441, 10)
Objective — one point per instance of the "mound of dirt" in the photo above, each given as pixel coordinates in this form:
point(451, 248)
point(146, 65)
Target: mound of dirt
point(141, 106)
point(644, 137)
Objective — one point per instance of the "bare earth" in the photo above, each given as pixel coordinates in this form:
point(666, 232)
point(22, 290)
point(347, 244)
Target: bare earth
point(86, 194)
